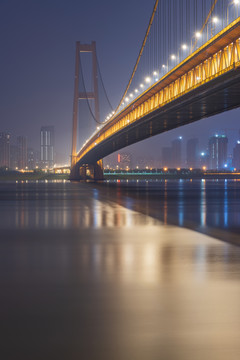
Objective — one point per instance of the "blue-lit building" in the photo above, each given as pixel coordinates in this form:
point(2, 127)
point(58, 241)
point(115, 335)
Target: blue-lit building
point(47, 146)
point(217, 148)
point(236, 156)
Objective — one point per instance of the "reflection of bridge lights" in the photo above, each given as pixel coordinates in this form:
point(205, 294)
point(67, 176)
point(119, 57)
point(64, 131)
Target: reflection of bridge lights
point(184, 47)
point(147, 79)
point(198, 34)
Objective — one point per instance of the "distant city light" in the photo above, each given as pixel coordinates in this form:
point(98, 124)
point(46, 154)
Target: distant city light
point(202, 153)
point(238, 141)
point(225, 165)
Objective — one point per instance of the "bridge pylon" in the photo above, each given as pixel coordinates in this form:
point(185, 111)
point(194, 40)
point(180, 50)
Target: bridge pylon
point(95, 170)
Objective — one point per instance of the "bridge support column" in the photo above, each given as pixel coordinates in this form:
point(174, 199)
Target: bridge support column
point(87, 172)
point(98, 170)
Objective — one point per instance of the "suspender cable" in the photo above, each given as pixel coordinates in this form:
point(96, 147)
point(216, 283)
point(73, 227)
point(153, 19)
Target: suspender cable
point(203, 27)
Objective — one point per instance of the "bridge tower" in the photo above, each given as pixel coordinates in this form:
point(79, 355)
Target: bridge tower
point(95, 170)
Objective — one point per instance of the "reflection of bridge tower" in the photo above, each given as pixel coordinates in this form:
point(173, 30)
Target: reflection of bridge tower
point(84, 48)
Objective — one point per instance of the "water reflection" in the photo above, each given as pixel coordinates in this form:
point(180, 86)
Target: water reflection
point(198, 204)
point(85, 275)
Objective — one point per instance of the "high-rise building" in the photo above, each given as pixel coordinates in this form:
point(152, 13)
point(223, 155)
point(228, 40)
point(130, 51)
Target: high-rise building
point(177, 152)
point(166, 157)
point(236, 156)
point(4, 150)
point(13, 157)
point(22, 152)
point(193, 153)
point(217, 147)
point(124, 160)
point(32, 158)
point(47, 146)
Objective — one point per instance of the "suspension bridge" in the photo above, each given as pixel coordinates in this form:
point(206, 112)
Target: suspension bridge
point(188, 68)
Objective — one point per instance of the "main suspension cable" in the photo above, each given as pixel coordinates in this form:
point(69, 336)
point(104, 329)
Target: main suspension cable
point(140, 53)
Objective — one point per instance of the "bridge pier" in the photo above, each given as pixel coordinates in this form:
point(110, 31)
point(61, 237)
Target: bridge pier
point(87, 172)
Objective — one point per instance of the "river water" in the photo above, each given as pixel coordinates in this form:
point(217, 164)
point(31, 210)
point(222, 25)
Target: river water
point(120, 270)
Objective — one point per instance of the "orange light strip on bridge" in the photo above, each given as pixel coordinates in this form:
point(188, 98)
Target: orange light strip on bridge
point(217, 56)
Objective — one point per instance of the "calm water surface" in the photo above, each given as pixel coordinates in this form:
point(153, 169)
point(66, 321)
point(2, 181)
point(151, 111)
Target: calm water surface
point(120, 270)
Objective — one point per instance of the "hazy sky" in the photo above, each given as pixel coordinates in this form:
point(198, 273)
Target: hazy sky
point(37, 39)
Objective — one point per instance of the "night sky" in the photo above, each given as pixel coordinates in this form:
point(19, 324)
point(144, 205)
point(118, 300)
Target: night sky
point(37, 59)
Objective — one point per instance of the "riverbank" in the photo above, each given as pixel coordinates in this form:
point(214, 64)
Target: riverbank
point(31, 176)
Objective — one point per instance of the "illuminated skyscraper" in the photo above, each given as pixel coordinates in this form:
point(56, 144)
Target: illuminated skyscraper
point(192, 153)
point(236, 156)
point(4, 150)
point(22, 152)
point(47, 146)
point(217, 147)
point(177, 152)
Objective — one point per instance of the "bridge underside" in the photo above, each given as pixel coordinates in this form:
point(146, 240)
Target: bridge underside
point(216, 96)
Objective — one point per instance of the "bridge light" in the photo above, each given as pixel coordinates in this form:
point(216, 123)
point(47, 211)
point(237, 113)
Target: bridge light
point(141, 85)
point(147, 79)
point(122, 103)
point(126, 99)
point(215, 20)
point(163, 66)
point(131, 95)
point(236, 2)
point(155, 73)
point(198, 34)
point(136, 90)
point(184, 46)
point(173, 57)
point(156, 79)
